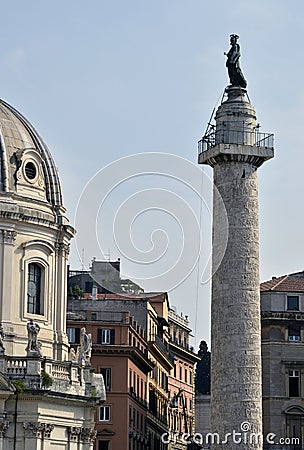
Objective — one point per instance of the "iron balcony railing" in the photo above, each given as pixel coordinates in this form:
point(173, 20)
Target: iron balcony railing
point(162, 347)
point(237, 137)
point(160, 344)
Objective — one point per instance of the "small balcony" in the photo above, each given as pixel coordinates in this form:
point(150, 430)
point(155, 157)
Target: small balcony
point(162, 347)
point(236, 137)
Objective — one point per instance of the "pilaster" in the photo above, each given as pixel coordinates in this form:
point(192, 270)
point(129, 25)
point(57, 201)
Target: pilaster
point(62, 253)
point(7, 241)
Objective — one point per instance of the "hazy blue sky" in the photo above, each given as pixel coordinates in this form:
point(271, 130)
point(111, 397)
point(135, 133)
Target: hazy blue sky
point(101, 80)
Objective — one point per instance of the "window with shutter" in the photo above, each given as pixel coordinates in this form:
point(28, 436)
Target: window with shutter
point(294, 333)
point(112, 336)
point(88, 286)
point(73, 335)
point(293, 303)
point(34, 289)
point(103, 445)
point(106, 336)
point(294, 383)
point(106, 373)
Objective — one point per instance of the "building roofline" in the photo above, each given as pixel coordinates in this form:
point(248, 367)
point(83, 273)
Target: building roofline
point(186, 354)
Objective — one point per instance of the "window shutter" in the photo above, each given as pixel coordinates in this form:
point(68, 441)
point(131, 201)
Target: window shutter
point(112, 336)
point(106, 373)
point(88, 286)
point(77, 335)
point(99, 336)
point(294, 330)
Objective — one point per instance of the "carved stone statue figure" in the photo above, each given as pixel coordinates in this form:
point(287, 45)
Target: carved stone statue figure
point(33, 345)
point(234, 71)
point(72, 354)
point(85, 348)
point(2, 349)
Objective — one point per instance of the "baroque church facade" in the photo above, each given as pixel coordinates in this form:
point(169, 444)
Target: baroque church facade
point(48, 394)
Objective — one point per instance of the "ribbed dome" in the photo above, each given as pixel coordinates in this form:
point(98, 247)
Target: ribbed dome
point(26, 159)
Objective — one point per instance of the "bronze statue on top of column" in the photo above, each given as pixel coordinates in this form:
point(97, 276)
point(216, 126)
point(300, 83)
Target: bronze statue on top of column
point(234, 71)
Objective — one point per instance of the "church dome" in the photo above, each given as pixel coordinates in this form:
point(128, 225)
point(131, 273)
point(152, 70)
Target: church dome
point(35, 236)
point(27, 168)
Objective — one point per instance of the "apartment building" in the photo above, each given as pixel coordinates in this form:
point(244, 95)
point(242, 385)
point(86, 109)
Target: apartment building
point(282, 313)
point(136, 350)
point(181, 380)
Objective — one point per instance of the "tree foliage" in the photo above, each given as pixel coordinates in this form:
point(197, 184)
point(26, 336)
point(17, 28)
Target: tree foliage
point(202, 376)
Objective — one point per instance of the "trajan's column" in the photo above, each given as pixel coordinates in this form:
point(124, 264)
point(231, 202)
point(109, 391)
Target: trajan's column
point(235, 149)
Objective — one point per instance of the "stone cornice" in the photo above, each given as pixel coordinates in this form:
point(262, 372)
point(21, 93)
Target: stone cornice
point(134, 354)
point(183, 353)
point(40, 219)
point(282, 315)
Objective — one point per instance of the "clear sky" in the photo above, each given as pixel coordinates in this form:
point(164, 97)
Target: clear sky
point(102, 80)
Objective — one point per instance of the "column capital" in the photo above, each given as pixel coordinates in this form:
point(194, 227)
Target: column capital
point(74, 433)
point(4, 424)
point(38, 429)
point(9, 236)
point(88, 435)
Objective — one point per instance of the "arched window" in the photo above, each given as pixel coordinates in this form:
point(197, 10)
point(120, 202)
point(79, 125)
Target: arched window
point(34, 303)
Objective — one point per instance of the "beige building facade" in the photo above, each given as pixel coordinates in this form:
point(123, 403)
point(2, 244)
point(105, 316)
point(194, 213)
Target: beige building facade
point(282, 339)
point(142, 348)
point(181, 381)
point(46, 395)
point(282, 309)
point(119, 352)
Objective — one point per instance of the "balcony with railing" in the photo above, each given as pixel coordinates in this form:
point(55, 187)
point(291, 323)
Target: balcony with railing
point(178, 319)
point(236, 137)
point(162, 347)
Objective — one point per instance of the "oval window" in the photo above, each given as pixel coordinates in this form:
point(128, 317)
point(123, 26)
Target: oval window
point(30, 170)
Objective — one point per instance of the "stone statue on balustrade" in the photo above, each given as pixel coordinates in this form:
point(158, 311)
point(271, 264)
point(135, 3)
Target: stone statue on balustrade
point(33, 346)
point(84, 358)
point(72, 356)
point(2, 335)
